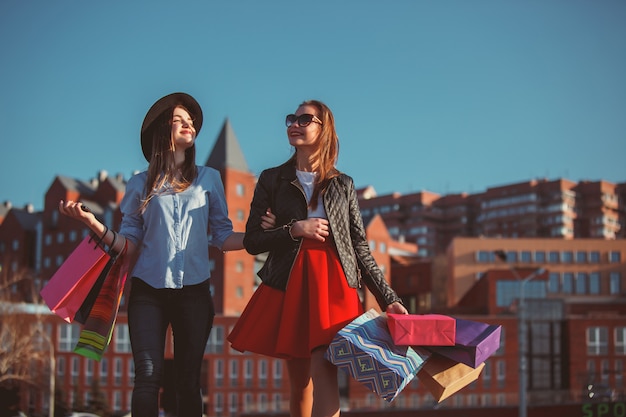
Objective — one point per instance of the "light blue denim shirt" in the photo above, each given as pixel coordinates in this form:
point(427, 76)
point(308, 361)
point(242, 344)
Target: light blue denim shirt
point(173, 234)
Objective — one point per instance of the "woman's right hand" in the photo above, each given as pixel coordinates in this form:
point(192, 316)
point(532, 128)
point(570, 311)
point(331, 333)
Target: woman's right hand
point(311, 228)
point(76, 210)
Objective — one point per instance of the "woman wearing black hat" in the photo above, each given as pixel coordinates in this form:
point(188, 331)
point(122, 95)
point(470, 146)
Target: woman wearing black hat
point(167, 213)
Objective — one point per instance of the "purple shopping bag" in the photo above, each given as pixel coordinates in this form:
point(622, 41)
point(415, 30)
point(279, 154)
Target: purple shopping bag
point(474, 342)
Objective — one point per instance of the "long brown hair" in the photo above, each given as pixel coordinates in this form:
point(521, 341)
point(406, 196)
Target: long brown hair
point(327, 152)
point(162, 168)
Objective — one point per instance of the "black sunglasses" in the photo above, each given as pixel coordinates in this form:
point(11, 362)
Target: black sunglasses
point(303, 120)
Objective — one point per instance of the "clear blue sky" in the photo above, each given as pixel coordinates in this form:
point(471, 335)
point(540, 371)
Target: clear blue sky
point(445, 96)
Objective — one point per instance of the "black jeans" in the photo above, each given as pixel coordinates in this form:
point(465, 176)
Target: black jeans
point(190, 312)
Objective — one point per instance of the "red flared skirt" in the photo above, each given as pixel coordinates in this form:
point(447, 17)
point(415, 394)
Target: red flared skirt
point(316, 304)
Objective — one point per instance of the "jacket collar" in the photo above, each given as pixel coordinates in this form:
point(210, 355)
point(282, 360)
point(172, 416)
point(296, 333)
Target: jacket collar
point(288, 171)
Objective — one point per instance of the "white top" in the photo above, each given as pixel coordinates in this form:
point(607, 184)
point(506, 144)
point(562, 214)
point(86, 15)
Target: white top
point(306, 180)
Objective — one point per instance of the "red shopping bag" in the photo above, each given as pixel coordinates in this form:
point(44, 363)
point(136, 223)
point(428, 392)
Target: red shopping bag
point(68, 288)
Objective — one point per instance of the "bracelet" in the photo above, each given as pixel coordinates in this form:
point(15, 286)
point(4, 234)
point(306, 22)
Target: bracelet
point(114, 239)
point(106, 230)
point(288, 226)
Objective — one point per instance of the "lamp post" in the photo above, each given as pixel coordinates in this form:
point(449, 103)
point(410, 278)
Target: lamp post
point(523, 373)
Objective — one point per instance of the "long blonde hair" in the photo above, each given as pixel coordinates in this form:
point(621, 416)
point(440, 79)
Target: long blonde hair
point(162, 168)
point(327, 152)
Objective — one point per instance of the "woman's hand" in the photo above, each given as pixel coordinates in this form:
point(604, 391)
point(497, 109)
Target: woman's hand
point(311, 228)
point(76, 210)
point(268, 221)
point(396, 308)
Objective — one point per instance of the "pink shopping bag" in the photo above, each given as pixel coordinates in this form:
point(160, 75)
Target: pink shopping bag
point(422, 329)
point(69, 286)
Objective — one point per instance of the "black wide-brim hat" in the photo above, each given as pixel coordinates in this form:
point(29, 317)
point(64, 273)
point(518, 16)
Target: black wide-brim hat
point(163, 104)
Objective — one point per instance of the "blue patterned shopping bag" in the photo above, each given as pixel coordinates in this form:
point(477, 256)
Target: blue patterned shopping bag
point(365, 350)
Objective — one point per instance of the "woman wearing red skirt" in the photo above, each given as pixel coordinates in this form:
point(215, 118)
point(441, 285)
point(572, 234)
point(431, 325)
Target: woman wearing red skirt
point(305, 214)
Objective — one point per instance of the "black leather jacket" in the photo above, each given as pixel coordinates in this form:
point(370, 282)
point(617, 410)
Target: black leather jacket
point(279, 189)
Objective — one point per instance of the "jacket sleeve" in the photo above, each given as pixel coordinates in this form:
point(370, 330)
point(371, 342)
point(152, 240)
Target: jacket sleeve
point(370, 272)
point(256, 239)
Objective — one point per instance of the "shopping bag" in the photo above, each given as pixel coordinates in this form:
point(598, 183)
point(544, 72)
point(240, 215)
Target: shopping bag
point(422, 329)
point(68, 288)
point(364, 349)
point(96, 333)
point(85, 308)
point(444, 377)
point(475, 342)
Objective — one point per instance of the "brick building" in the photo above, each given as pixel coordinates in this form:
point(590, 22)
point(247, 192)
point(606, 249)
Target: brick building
point(574, 231)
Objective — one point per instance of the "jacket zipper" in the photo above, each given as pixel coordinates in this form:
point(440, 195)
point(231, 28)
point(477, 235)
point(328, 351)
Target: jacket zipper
point(296, 184)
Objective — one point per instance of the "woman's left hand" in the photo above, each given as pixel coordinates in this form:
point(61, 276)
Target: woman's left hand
point(268, 221)
point(396, 308)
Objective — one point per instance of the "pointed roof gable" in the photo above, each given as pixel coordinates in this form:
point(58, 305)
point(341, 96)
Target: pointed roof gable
point(226, 152)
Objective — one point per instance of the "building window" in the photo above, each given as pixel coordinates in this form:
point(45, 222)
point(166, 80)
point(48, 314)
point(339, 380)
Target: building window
point(525, 257)
point(277, 373)
point(218, 372)
point(553, 257)
point(73, 235)
point(239, 291)
point(372, 245)
point(61, 368)
point(60, 237)
point(619, 373)
point(554, 281)
point(511, 256)
point(581, 283)
point(615, 257)
point(75, 370)
point(89, 373)
point(567, 286)
point(122, 338)
point(594, 283)
point(483, 256)
point(48, 240)
point(234, 372)
point(615, 283)
point(382, 247)
point(239, 266)
point(597, 341)
point(104, 372)
point(131, 371)
point(240, 189)
point(263, 373)
point(216, 340)
point(68, 337)
point(117, 401)
point(487, 375)
point(594, 257)
point(241, 215)
point(540, 257)
point(16, 244)
point(233, 403)
point(117, 372)
point(501, 373)
point(219, 403)
point(581, 257)
point(620, 340)
point(247, 372)
point(567, 257)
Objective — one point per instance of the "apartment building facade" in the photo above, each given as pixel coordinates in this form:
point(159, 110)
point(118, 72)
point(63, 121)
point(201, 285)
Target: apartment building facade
point(538, 208)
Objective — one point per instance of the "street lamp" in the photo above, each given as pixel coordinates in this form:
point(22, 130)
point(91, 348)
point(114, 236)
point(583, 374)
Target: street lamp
point(523, 375)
